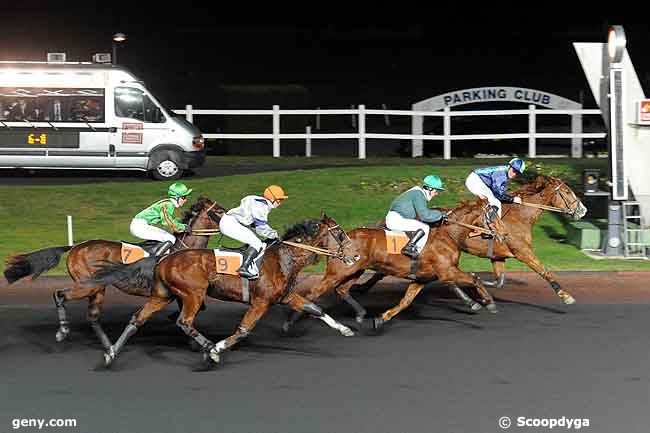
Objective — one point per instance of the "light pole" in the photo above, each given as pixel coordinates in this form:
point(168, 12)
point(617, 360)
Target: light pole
point(117, 38)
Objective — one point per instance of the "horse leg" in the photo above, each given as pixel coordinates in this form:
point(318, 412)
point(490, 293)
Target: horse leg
point(252, 316)
point(343, 291)
point(61, 296)
point(300, 303)
point(322, 287)
point(191, 307)
point(528, 257)
point(498, 268)
point(455, 276)
point(152, 306)
point(411, 292)
point(472, 304)
point(361, 289)
point(95, 304)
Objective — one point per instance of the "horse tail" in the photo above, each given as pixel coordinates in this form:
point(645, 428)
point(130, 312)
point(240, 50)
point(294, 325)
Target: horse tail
point(137, 274)
point(34, 263)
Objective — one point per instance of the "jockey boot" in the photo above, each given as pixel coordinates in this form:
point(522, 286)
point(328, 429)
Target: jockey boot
point(162, 248)
point(249, 255)
point(410, 249)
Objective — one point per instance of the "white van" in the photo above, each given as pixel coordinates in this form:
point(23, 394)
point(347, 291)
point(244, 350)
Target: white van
point(82, 115)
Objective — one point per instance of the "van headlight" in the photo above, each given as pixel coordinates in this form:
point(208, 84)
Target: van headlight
point(198, 142)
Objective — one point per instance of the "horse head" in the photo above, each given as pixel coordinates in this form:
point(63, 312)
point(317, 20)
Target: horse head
point(204, 214)
point(558, 194)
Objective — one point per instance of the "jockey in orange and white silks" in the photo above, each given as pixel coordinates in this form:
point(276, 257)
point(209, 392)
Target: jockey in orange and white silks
point(161, 212)
point(253, 211)
point(490, 182)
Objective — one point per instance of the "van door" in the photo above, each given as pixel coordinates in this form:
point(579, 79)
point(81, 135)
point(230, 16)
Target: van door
point(140, 126)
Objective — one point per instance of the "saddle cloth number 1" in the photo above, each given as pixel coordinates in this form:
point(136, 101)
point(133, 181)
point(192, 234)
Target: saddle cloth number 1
point(227, 262)
point(395, 241)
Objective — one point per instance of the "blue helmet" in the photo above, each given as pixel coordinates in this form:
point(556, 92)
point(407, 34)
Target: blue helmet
point(518, 165)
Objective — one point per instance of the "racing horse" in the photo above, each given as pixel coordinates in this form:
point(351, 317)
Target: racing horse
point(545, 193)
point(438, 261)
point(85, 257)
point(190, 275)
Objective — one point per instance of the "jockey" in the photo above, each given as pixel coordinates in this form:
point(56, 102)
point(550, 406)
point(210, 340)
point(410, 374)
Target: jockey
point(409, 212)
point(252, 211)
point(490, 182)
point(162, 212)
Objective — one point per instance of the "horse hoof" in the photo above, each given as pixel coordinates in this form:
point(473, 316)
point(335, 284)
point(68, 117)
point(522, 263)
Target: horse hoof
point(62, 334)
point(492, 308)
point(212, 357)
point(346, 332)
point(566, 298)
point(475, 307)
point(109, 358)
point(372, 326)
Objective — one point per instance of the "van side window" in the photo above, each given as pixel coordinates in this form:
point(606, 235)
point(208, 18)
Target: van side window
point(51, 105)
point(135, 104)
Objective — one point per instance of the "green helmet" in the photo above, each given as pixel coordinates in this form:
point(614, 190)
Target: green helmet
point(433, 182)
point(178, 189)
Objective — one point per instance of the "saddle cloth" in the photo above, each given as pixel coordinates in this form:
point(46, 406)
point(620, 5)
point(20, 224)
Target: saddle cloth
point(132, 253)
point(227, 262)
point(395, 241)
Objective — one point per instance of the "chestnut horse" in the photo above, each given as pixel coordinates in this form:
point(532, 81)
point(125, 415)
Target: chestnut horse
point(85, 257)
point(190, 275)
point(438, 261)
point(519, 221)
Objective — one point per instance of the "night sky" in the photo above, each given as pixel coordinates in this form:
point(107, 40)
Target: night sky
point(341, 53)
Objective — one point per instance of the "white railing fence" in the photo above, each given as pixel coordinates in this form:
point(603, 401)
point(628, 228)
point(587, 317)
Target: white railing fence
point(360, 113)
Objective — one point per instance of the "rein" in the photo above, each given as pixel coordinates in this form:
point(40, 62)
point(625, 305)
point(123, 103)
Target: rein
point(470, 226)
point(546, 207)
point(317, 250)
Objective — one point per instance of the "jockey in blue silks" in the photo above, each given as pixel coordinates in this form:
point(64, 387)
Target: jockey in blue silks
point(490, 182)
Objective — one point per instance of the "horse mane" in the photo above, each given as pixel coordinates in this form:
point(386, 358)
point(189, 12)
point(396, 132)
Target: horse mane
point(307, 228)
point(200, 204)
point(536, 186)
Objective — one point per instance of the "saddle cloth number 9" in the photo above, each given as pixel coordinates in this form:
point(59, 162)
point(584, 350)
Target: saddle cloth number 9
point(395, 241)
point(227, 262)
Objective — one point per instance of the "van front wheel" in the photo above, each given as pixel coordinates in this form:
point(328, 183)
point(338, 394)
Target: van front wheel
point(167, 169)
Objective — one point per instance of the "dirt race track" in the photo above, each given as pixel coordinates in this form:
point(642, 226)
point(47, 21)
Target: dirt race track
point(434, 369)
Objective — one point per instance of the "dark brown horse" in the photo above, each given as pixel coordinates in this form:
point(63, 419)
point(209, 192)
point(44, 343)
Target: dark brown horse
point(519, 221)
point(190, 275)
point(85, 257)
point(438, 261)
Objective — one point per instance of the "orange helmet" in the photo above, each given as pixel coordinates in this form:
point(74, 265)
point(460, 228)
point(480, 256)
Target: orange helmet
point(274, 193)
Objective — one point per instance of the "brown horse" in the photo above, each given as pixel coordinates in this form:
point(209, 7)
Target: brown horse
point(438, 261)
point(519, 221)
point(190, 275)
point(85, 257)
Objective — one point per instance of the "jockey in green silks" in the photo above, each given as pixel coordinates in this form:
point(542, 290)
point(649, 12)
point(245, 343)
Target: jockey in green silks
point(409, 213)
point(162, 212)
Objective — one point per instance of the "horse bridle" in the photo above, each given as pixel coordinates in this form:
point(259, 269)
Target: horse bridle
point(570, 210)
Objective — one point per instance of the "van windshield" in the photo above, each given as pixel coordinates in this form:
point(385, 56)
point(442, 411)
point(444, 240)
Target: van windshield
point(133, 103)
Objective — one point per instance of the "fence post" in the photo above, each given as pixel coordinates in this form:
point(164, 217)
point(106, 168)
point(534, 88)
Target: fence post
point(447, 132)
point(416, 129)
point(70, 238)
point(276, 131)
point(386, 117)
point(576, 128)
point(308, 142)
point(318, 118)
point(532, 127)
point(362, 131)
point(188, 113)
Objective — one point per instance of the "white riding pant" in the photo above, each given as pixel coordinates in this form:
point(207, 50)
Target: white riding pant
point(230, 227)
point(479, 188)
point(141, 229)
point(395, 221)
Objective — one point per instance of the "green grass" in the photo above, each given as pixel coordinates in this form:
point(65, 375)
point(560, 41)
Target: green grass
point(34, 217)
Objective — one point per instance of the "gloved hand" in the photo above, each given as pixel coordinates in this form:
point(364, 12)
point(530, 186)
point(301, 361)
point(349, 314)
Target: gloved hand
point(517, 200)
point(445, 218)
point(271, 241)
point(188, 229)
